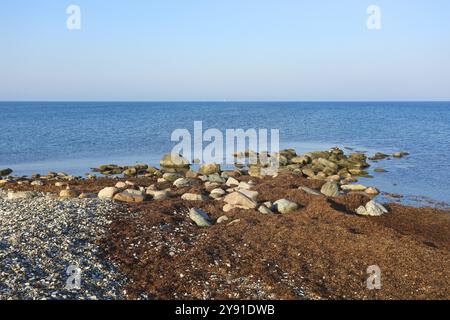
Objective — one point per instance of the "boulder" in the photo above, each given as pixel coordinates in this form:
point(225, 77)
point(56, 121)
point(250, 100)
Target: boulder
point(372, 209)
point(107, 193)
point(330, 189)
point(130, 195)
point(327, 163)
point(228, 207)
point(210, 168)
point(240, 199)
point(200, 218)
point(285, 206)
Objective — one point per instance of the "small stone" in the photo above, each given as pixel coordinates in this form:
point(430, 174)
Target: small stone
point(285, 206)
point(182, 183)
point(194, 197)
point(222, 219)
point(310, 191)
point(217, 193)
point(37, 183)
point(264, 210)
point(200, 217)
point(121, 185)
point(228, 207)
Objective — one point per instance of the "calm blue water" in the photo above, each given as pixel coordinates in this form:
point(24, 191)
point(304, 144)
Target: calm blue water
point(72, 137)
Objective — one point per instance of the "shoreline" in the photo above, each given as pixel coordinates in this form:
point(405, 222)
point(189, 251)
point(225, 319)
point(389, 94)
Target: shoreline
point(173, 233)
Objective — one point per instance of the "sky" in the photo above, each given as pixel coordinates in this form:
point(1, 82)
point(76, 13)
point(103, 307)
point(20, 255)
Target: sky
point(197, 50)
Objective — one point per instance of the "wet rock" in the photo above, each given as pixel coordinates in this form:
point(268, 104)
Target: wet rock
point(5, 172)
point(200, 218)
point(372, 191)
point(400, 154)
point(240, 199)
point(379, 156)
point(210, 168)
point(107, 193)
point(372, 209)
point(379, 170)
point(330, 189)
point(130, 195)
point(353, 187)
point(194, 197)
point(285, 206)
point(327, 163)
point(130, 172)
point(174, 161)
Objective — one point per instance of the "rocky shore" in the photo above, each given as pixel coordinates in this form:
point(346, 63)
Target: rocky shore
point(310, 231)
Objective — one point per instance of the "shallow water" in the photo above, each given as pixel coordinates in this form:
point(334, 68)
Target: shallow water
point(73, 136)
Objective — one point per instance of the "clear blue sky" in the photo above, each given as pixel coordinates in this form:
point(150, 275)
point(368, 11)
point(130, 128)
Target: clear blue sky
point(225, 50)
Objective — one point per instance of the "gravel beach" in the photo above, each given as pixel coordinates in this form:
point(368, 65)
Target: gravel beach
point(41, 238)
